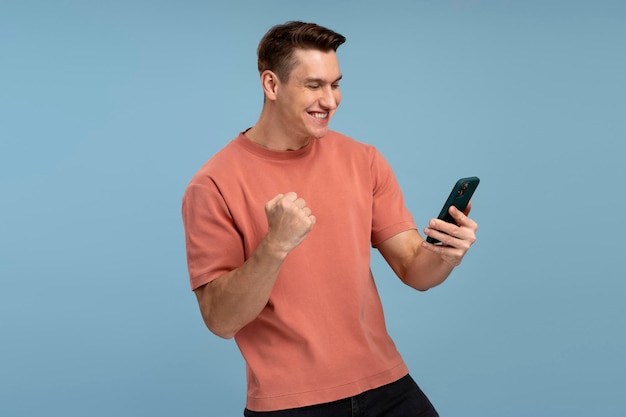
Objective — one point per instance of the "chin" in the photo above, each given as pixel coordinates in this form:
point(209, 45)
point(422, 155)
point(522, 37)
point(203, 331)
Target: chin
point(318, 133)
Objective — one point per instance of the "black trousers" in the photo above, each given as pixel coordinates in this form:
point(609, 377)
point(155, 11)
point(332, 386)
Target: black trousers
point(402, 398)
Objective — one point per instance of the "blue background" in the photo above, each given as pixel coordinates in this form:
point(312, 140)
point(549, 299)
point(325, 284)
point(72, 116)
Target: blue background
point(108, 108)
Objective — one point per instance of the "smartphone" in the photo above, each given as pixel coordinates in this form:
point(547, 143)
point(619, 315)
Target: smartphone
point(459, 197)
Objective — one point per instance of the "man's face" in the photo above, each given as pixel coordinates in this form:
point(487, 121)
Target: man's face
point(309, 98)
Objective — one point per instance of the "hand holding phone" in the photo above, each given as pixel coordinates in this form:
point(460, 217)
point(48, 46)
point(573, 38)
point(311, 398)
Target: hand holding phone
point(459, 197)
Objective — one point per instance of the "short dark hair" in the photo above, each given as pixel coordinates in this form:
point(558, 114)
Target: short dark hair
point(276, 48)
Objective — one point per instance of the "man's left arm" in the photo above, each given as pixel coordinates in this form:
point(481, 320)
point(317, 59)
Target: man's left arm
point(423, 265)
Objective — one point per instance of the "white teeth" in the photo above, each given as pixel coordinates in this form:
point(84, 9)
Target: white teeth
point(320, 115)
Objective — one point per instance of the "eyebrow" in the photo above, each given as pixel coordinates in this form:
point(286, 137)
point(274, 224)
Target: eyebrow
point(321, 81)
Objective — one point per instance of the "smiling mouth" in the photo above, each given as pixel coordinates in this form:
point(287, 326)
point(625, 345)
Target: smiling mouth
point(319, 115)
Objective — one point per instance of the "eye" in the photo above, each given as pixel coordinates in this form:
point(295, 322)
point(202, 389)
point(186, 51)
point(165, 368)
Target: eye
point(335, 86)
point(313, 86)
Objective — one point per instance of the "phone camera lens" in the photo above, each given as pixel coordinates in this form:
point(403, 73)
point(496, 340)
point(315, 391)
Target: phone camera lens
point(462, 190)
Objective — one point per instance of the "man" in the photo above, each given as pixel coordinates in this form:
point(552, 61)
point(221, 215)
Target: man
point(278, 228)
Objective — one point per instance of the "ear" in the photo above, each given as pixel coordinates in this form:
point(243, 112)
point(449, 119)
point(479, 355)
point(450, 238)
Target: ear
point(269, 81)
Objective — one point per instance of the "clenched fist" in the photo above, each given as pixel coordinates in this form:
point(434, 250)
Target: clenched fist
point(289, 221)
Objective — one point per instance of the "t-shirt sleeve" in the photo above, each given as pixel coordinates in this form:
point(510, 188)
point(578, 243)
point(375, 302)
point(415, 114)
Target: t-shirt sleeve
point(389, 214)
point(213, 242)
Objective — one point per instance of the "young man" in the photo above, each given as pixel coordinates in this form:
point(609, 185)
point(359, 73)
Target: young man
point(278, 228)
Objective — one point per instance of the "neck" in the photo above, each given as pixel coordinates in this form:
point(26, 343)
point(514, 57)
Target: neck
point(273, 136)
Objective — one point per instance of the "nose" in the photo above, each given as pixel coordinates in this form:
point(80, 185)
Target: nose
point(330, 98)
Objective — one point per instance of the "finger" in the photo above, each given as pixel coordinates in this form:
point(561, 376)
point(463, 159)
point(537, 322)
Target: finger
point(467, 222)
point(448, 233)
point(273, 201)
point(459, 217)
point(290, 196)
point(434, 231)
point(300, 203)
point(442, 226)
point(449, 254)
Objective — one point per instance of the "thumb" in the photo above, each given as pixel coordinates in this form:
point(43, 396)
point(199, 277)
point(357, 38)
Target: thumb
point(274, 200)
point(270, 204)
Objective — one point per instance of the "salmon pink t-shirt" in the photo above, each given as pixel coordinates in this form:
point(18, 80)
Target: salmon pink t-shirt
point(322, 335)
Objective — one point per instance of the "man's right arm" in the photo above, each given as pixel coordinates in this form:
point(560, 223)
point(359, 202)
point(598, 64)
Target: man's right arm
point(236, 298)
